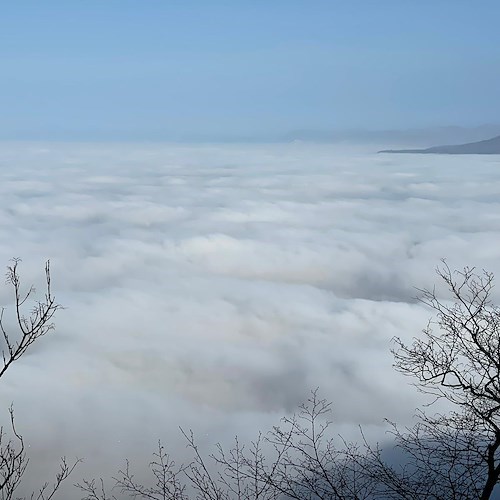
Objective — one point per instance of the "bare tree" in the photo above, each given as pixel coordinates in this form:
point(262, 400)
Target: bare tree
point(13, 458)
point(31, 327)
point(13, 461)
point(297, 460)
point(460, 363)
point(167, 483)
point(454, 454)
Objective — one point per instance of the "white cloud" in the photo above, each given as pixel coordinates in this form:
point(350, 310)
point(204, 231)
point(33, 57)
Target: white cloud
point(214, 286)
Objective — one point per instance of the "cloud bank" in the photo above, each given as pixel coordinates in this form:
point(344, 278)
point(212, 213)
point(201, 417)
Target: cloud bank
point(212, 286)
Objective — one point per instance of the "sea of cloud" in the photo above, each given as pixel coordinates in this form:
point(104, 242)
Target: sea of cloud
point(213, 286)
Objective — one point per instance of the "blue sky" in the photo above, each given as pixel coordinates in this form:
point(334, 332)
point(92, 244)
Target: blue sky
point(151, 69)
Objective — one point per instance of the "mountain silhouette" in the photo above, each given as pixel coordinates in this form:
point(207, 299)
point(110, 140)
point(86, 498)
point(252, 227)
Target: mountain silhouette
point(486, 147)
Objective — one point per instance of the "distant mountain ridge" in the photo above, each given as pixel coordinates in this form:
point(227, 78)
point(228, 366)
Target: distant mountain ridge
point(397, 138)
point(486, 147)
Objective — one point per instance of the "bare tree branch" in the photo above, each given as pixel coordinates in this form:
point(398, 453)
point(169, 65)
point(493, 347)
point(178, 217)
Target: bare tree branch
point(13, 459)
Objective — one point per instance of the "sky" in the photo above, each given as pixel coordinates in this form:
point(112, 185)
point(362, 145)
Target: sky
point(213, 286)
point(172, 70)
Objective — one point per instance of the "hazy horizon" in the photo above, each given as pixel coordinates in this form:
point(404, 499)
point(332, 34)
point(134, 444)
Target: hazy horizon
point(429, 136)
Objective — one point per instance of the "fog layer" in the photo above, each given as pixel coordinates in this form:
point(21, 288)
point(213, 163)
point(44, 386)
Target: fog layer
point(213, 286)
